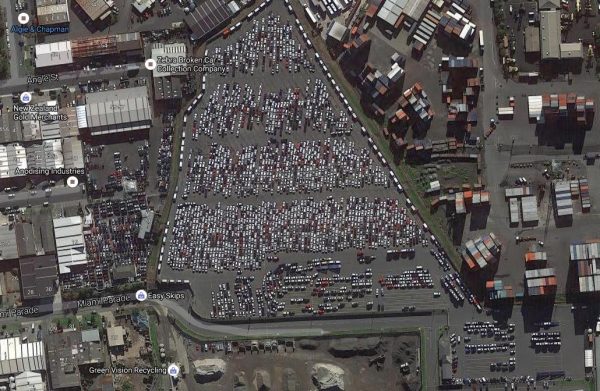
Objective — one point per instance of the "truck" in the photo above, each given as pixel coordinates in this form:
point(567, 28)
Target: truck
point(481, 43)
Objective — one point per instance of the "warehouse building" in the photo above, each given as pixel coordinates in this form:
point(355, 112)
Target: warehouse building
point(168, 83)
point(72, 153)
point(551, 45)
point(209, 15)
point(12, 157)
point(27, 381)
point(8, 242)
point(97, 11)
point(39, 277)
point(70, 244)
point(119, 47)
point(168, 53)
point(337, 34)
point(391, 11)
point(36, 237)
point(53, 54)
point(585, 258)
point(17, 356)
point(47, 155)
point(70, 354)
point(115, 111)
point(52, 12)
point(550, 34)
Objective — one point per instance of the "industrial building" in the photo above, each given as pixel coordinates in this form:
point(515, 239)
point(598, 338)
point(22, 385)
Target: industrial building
point(35, 237)
point(8, 241)
point(52, 12)
point(47, 155)
point(12, 157)
point(394, 12)
point(209, 15)
point(481, 252)
point(116, 338)
point(585, 258)
point(125, 46)
point(70, 354)
point(337, 34)
point(39, 277)
point(53, 54)
point(118, 47)
point(168, 53)
point(97, 11)
point(115, 111)
point(70, 244)
point(17, 356)
point(551, 46)
point(540, 282)
point(168, 84)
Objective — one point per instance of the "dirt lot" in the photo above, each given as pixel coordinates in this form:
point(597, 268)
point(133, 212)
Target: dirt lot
point(352, 355)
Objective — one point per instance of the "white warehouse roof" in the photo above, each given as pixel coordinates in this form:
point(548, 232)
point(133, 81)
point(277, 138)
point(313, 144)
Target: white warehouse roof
point(17, 356)
point(53, 54)
point(70, 244)
point(12, 156)
point(170, 51)
point(115, 111)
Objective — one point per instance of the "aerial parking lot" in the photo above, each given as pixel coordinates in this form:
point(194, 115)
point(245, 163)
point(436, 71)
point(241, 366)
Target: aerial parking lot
point(282, 207)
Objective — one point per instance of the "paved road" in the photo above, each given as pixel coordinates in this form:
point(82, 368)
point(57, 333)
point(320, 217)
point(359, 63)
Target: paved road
point(25, 198)
point(110, 72)
point(14, 47)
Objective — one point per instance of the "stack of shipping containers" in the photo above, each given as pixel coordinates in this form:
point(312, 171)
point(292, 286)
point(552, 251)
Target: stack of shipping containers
point(460, 204)
point(496, 290)
point(562, 196)
point(480, 252)
point(553, 107)
point(535, 260)
point(586, 255)
point(540, 282)
point(529, 209)
point(517, 192)
point(584, 190)
point(513, 206)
